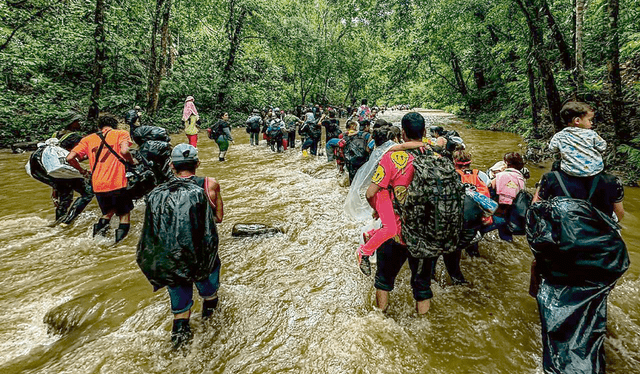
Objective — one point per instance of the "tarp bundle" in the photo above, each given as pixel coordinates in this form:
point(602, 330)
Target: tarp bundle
point(580, 255)
point(53, 160)
point(145, 133)
point(179, 239)
point(356, 205)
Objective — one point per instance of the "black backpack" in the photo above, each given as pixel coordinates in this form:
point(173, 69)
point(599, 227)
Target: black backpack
point(516, 219)
point(355, 149)
point(179, 239)
point(253, 123)
point(432, 212)
point(215, 130)
point(573, 242)
point(274, 131)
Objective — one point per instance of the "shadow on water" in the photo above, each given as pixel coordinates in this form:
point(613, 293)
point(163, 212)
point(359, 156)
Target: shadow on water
point(290, 302)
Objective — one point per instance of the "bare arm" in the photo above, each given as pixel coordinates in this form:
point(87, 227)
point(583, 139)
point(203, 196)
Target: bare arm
point(618, 209)
point(536, 196)
point(215, 199)
point(124, 150)
point(73, 160)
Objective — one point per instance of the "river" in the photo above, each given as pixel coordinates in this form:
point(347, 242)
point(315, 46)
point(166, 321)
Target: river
point(289, 303)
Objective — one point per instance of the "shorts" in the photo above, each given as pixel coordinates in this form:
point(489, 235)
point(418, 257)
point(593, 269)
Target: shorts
point(182, 296)
point(391, 256)
point(118, 201)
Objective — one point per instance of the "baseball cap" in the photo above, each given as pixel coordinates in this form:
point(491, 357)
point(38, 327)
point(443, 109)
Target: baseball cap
point(184, 153)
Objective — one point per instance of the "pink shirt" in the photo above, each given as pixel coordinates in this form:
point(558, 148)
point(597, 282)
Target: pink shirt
point(395, 170)
point(508, 183)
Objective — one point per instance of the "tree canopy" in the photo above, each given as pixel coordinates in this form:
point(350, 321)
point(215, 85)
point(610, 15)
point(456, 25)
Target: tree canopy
point(506, 61)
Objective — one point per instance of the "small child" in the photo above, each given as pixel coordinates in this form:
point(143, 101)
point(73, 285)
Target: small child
point(579, 146)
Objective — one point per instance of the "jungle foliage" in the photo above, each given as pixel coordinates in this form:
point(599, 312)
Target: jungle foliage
point(504, 64)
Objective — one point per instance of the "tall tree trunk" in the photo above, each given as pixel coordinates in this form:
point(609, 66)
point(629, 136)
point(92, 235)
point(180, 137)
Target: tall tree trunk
point(546, 74)
point(234, 30)
point(623, 133)
point(457, 73)
point(158, 61)
point(579, 72)
point(532, 94)
point(561, 44)
point(98, 62)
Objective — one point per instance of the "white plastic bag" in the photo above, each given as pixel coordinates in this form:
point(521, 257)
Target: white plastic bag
point(54, 160)
point(356, 204)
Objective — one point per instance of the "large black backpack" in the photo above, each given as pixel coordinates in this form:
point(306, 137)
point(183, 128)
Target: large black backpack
point(432, 212)
point(355, 149)
point(573, 242)
point(179, 239)
point(253, 123)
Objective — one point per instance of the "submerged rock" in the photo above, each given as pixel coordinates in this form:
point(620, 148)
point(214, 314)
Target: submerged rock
point(253, 229)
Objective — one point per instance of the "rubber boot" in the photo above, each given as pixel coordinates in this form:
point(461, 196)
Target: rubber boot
point(99, 228)
point(122, 231)
point(180, 333)
point(221, 156)
point(208, 306)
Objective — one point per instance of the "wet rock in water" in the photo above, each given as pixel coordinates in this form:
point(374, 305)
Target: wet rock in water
point(253, 229)
point(66, 317)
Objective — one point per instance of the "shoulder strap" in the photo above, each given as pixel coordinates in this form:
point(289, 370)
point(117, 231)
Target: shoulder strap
point(95, 164)
point(564, 188)
point(104, 141)
point(594, 184)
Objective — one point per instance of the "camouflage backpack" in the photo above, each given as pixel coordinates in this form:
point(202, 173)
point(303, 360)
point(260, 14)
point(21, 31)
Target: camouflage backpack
point(432, 212)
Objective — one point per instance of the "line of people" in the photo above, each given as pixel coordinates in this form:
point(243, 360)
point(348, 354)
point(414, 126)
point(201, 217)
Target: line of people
point(420, 192)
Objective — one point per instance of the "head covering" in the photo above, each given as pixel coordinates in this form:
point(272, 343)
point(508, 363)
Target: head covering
point(184, 153)
point(70, 117)
point(137, 107)
point(189, 108)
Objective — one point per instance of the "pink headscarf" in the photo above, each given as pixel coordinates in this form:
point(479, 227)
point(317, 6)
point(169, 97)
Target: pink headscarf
point(189, 108)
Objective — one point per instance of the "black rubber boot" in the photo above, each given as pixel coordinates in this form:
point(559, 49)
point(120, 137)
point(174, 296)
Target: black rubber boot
point(208, 306)
point(99, 228)
point(122, 231)
point(180, 333)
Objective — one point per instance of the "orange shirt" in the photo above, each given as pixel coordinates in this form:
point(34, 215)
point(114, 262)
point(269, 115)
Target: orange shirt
point(110, 173)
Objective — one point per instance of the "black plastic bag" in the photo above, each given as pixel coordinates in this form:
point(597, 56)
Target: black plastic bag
point(179, 239)
point(473, 213)
point(575, 243)
point(140, 180)
point(574, 324)
point(156, 155)
point(145, 133)
point(517, 217)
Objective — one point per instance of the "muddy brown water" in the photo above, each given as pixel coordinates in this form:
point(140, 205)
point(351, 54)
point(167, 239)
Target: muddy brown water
point(290, 303)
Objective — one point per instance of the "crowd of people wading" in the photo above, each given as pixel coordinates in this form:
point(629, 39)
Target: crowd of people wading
point(416, 182)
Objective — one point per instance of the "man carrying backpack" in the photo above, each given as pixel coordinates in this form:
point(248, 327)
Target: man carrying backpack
point(579, 256)
point(254, 123)
point(356, 149)
point(107, 151)
point(429, 195)
point(179, 241)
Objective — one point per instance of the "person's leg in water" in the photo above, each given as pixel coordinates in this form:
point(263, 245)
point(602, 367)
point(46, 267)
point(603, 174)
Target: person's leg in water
point(330, 148)
point(452, 263)
point(64, 192)
point(193, 140)
point(208, 290)
point(314, 147)
point(83, 187)
point(389, 230)
point(500, 224)
point(391, 257)
point(308, 142)
point(421, 283)
point(292, 139)
point(181, 303)
point(223, 145)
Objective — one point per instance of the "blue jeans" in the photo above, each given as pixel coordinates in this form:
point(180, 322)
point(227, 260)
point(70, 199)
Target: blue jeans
point(311, 144)
point(254, 137)
point(331, 146)
point(182, 296)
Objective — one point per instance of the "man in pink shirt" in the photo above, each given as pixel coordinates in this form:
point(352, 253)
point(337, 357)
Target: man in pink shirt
point(395, 172)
